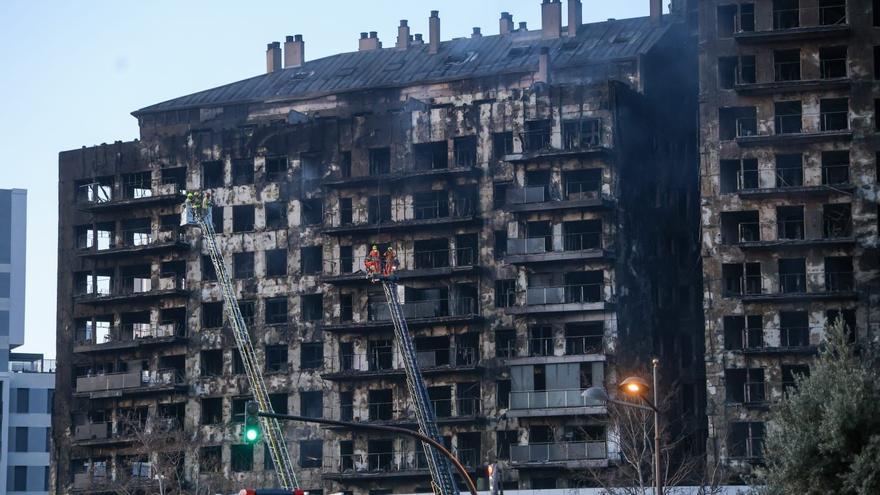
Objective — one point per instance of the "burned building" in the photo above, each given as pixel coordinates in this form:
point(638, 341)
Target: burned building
point(543, 206)
point(789, 172)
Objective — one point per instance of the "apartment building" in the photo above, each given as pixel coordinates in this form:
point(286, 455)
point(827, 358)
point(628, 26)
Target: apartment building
point(788, 97)
point(543, 207)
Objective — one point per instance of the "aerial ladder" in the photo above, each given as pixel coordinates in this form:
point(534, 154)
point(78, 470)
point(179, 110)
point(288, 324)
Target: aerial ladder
point(441, 472)
point(200, 215)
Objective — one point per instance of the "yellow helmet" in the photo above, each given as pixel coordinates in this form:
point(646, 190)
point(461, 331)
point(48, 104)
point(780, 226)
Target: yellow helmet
point(375, 247)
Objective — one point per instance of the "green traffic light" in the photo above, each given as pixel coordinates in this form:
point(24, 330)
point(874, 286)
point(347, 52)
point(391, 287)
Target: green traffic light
point(251, 435)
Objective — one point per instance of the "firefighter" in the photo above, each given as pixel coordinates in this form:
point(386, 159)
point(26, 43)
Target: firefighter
point(371, 262)
point(390, 262)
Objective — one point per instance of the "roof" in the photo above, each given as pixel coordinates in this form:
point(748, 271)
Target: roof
point(461, 58)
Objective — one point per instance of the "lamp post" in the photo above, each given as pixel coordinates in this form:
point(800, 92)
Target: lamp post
point(637, 387)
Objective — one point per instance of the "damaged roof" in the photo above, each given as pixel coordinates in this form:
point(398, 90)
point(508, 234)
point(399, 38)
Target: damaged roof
point(460, 58)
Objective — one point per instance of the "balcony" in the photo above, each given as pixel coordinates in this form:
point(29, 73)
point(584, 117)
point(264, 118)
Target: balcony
point(408, 173)
point(569, 247)
point(792, 341)
point(418, 265)
point(453, 359)
point(417, 215)
point(796, 86)
point(139, 242)
point(800, 190)
point(754, 394)
point(139, 291)
point(571, 455)
point(457, 411)
point(108, 433)
point(30, 363)
point(793, 287)
point(351, 367)
point(135, 335)
point(537, 144)
point(795, 138)
point(577, 195)
point(830, 23)
point(567, 402)
point(417, 314)
point(129, 383)
point(545, 350)
point(562, 299)
point(102, 482)
point(375, 465)
point(98, 198)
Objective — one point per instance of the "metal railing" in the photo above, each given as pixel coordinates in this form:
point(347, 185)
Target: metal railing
point(789, 177)
point(376, 462)
point(587, 344)
point(430, 210)
point(455, 356)
point(566, 294)
point(793, 337)
point(754, 393)
point(535, 140)
point(95, 193)
point(747, 179)
point(371, 361)
point(541, 346)
point(787, 71)
point(749, 231)
point(381, 411)
point(835, 120)
point(582, 241)
point(786, 18)
point(832, 68)
point(32, 366)
point(839, 281)
point(443, 258)
point(789, 123)
point(558, 452)
point(549, 399)
point(460, 407)
point(743, 284)
point(835, 174)
point(578, 190)
point(792, 283)
point(790, 229)
point(746, 126)
point(753, 339)
point(833, 15)
point(436, 308)
point(576, 135)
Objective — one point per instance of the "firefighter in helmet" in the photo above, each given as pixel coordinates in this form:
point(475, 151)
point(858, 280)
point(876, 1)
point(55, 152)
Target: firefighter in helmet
point(390, 262)
point(371, 262)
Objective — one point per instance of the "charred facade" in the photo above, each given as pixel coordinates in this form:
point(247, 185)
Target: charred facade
point(543, 205)
point(789, 161)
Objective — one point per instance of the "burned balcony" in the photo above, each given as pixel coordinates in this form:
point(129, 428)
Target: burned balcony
point(134, 284)
point(580, 189)
point(833, 125)
point(429, 309)
point(579, 137)
point(432, 356)
point(135, 335)
point(839, 275)
point(581, 340)
point(429, 259)
point(580, 291)
point(794, 330)
point(741, 279)
point(136, 238)
point(136, 190)
point(376, 465)
point(744, 333)
point(421, 308)
point(557, 402)
point(458, 410)
point(839, 282)
point(571, 455)
point(376, 363)
point(737, 122)
point(581, 240)
point(427, 210)
point(745, 441)
point(745, 387)
point(790, 22)
point(738, 227)
point(130, 383)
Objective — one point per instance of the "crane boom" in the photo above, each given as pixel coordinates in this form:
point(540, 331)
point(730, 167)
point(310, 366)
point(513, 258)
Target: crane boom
point(272, 432)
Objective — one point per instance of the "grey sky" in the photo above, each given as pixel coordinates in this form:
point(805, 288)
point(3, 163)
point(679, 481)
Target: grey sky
point(71, 72)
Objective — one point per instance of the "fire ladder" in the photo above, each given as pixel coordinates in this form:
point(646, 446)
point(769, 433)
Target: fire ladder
point(272, 431)
point(441, 473)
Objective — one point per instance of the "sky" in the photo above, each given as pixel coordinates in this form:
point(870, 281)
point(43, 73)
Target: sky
point(71, 73)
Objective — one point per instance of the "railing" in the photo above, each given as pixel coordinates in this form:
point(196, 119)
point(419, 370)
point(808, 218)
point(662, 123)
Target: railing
point(835, 174)
point(789, 123)
point(92, 431)
point(526, 195)
point(588, 344)
point(843, 281)
point(549, 399)
point(746, 126)
point(442, 258)
point(747, 284)
point(747, 179)
point(789, 177)
point(749, 231)
point(786, 18)
point(541, 346)
point(792, 283)
point(794, 337)
point(380, 411)
point(535, 140)
point(787, 71)
point(372, 361)
point(790, 229)
point(455, 356)
point(831, 68)
point(35, 366)
point(558, 452)
point(137, 237)
point(582, 241)
point(377, 462)
point(753, 339)
point(578, 190)
point(754, 393)
point(95, 193)
point(567, 294)
point(461, 407)
point(431, 210)
point(832, 15)
point(437, 308)
point(835, 120)
point(576, 136)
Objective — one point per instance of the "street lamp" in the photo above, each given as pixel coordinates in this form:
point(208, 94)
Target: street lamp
point(637, 387)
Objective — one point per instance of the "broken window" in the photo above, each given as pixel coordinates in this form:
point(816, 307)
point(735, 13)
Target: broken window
point(312, 307)
point(137, 185)
point(312, 211)
point(792, 275)
point(582, 184)
point(582, 235)
point(212, 174)
point(98, 190)
point(837, 220)
point(311, 455)
point(743, 332)
point(312, 171)
point(276, 311)
point(441, 400)
point(174, 177)
point(346, 211)
point(248, 310)
point(209, 274)
point(243, 264)
point(788, 117)
point(791, 373)
point(212, 411)
point(466, 249)
point(380, 161)
point(505, 343)
point(835, 167)
point(737, 122)
point(276, 262)
point(243, 218)
point(242, 172)
point(832, 12)
point(380, 355)
point(210, 459)
point(346, 307)
point(276, 168)
point(431, 253)
point(311, 355)
point(311, 404)
point(500, 248)
point(238, 406)
point(848, 316)
point(581, 134)
point(748, 73)
point(212, 314)
point(84, 236)
point(727, 20)
point(727, 68)
point(135, 279)
point(744, 386)
point(541, 341)
point(839, 274)
point(787, 65)
point(794, 329)
point(242, 457)
point(746, 17)
point(584, 338)
point(505, 293)
point(789, 170)
point(379, 209)
point(380, 404)
point(137, 232)
point(237, 363)
point(790, 222)
point(832, 62)
point(276, 215)
point(465, 149)
point(536, 136)
point(740, 226)
point(311, 260)
point(741, 278)
point(431, 204)
point(345, 164)
point(278, 402)
point(212, 362)
point(502, 145)
point(834, 114)
point(346, 259)
point(786, 14)
point(276, 359)
point(346, 406)
point(745, 440)
point(737, 175)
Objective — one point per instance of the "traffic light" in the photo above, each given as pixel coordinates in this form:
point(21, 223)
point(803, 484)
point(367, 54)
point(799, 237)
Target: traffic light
point(252, 431)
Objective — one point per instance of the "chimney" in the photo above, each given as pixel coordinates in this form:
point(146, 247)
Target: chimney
point(403, 35)
point(371, 42)
point(543, 74)
point(656, 10)
point(506, 23)
point(477, 33)
point(273, 56)
point(551, 19)
point(294, 51)
point(523, 26)
point(434, 32)
point(418, 39)
point(575, 16)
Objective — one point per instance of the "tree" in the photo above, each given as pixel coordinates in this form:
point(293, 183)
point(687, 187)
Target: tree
point(825, 436)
